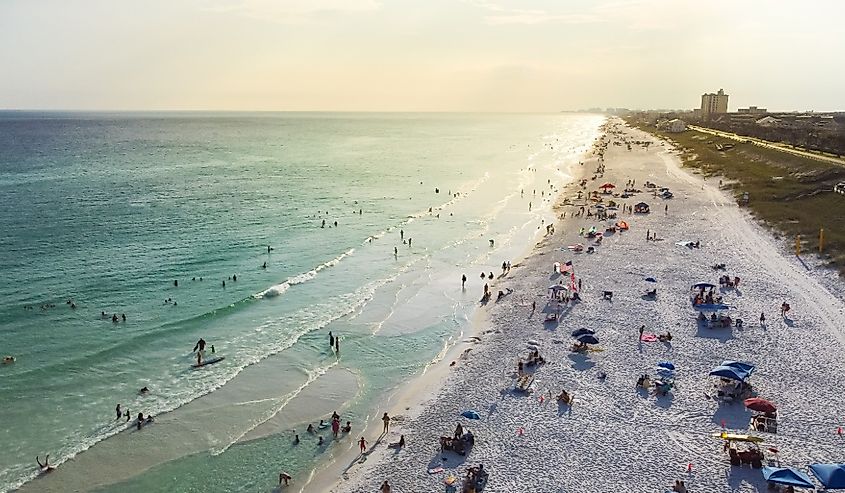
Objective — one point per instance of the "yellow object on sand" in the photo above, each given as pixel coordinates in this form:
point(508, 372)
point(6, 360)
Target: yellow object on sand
point(737, 437)
point(450, 480)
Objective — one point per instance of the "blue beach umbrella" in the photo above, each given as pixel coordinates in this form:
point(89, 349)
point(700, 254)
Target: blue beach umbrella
point(470, 414)
point(582, 331)
point(832, 476)
point(588, 339)
point(666, 364)
point(788, 476)
point(665, 372)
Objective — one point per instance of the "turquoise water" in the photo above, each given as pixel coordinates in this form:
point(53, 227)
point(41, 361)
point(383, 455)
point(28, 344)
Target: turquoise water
point(106, 211)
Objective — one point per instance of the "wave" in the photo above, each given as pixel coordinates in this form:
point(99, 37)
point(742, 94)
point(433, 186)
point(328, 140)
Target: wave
point(279, 289)
point(283, 402)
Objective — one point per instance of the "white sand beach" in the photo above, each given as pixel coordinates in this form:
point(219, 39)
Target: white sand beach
point(616, 437)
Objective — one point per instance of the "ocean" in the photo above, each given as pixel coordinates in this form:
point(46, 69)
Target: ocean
point(167, 218)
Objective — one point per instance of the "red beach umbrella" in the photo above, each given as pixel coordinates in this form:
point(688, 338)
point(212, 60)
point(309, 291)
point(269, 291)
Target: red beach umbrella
point(760, 405)
point(608, 185)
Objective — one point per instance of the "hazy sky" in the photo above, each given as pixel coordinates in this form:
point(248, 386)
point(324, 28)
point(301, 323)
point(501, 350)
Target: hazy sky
point(421, 55)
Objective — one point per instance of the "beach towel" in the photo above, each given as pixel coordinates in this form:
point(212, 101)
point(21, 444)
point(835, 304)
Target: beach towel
point(435, 470)
point(648, 337)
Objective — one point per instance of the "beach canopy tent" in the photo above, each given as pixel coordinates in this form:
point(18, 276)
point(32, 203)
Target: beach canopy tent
point(470, 414)
point(730, 372)
point(788, 476)
point(588, 339)
point(760, 405)
point(832, 476)
point(642, 207)
point(705, 285)
point(582, 331)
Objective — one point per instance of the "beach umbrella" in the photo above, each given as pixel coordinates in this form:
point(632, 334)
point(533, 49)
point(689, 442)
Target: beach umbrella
point(666, 364)
point(580, 332)
point(588, 339)
point(557, 287)
point(729, 373)
point(788, 476)
point(760, 405)
point(607, 185)
point(832, 476)
point(650, 279)
point(470, 414)
point(746, 367)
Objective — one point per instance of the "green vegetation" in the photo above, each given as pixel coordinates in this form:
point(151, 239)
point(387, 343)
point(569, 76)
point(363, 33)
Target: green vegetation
point(792, 194)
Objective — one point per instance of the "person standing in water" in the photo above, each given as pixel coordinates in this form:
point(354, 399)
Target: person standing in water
point(118, 412)
point(331, 339)
point(409, 242)
point(386, 420)
point(199, 345)
point(337, 344)
point(463, 281)
point(395, 252)
point(362, 444)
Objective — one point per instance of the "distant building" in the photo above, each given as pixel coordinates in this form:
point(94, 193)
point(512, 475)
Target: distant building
point(752, 110)
point(675, 126)
point(713, 104)
point(769, 121)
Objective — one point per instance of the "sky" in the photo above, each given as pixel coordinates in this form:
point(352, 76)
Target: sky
point(421, 55)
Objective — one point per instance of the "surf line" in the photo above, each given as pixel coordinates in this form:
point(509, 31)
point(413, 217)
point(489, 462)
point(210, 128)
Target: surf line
point(283, 402)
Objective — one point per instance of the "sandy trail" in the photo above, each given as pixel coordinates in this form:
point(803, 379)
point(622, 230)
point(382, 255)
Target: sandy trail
point(615, 437)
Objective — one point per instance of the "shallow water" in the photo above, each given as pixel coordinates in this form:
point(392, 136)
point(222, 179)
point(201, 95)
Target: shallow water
point(107, 210)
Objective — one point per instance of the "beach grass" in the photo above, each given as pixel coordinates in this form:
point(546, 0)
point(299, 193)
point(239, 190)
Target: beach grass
point(791, 194)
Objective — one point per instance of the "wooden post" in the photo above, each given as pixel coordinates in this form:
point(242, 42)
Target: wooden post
point(798, 246)
point(821, 240)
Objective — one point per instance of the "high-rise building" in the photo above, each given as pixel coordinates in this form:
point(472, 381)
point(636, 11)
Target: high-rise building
point(714, 103)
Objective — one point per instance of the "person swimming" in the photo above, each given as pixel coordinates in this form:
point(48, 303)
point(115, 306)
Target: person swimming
point(144, 390)
point(310, 428)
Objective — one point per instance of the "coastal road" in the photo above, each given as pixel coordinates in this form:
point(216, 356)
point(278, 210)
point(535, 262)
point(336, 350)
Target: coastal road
point(771, 145)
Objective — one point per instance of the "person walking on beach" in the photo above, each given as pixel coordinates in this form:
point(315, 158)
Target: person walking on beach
point(762, 318)
point(386, 420)
point(642, 328)
point(647, 234)
point(362, 444)
point(395, 252)
point(401, 234)
point(285, 477)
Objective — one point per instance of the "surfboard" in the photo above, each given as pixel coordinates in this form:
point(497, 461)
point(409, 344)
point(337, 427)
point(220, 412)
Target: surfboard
point(209, 362)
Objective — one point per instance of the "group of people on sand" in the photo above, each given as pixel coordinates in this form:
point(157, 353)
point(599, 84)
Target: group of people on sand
point(706, 298)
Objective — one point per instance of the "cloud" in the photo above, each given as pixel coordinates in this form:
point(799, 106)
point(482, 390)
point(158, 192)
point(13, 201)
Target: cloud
point(290, 11)
point(500, 15)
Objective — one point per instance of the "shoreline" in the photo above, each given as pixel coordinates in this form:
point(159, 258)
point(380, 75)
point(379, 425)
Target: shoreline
point(411, 400)
point(673, 432)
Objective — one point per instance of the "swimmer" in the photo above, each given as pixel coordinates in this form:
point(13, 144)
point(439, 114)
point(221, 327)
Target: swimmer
point(140, 420)
point(7, 360)
point(310, 428)
point(144, 390)
point(212, 349)
point(264, 265)
point(123, 316)
point(296, 439)
point(320, 441)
